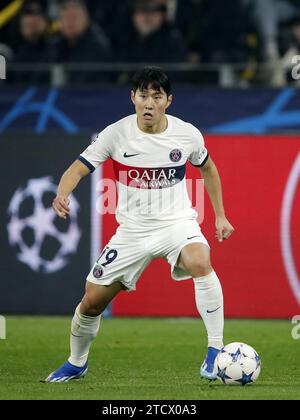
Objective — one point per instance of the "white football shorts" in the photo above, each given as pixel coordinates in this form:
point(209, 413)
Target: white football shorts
point(128, 254)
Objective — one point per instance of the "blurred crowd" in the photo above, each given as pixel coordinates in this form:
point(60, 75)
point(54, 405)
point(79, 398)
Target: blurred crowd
point(149, 31)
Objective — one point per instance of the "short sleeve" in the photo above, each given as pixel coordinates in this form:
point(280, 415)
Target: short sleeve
point(199, 155)
point(98, 152)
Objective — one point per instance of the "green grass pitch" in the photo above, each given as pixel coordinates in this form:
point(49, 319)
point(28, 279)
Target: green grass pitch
point(134, 359)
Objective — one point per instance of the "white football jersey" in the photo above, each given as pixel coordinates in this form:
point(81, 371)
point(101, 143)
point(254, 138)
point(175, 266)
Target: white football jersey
point(150, 170)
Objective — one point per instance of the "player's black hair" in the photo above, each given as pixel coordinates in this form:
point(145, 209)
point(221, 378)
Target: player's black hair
point(152, 77)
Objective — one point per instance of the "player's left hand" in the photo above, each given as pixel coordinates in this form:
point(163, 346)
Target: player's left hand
point(224, 229)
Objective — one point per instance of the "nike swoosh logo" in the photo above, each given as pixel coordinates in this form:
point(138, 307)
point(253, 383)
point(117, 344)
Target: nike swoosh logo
point(198, 236)
point(129, 156)
point(211, 312)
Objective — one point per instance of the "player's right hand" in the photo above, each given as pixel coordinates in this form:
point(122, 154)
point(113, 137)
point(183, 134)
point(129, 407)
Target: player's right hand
point(61, 206)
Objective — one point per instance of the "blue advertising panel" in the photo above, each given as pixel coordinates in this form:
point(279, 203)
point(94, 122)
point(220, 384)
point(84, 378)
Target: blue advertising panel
point(257, 111)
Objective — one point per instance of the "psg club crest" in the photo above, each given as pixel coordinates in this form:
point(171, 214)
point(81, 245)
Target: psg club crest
point(98, 272)
point(175, 155)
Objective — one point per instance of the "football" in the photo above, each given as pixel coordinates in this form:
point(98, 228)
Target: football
point(238, 364)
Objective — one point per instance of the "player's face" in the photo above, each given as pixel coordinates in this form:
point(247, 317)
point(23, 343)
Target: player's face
point(150, 106)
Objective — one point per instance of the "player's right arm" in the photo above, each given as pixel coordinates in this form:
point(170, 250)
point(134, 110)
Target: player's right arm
point(96, 154)
point(67, 185)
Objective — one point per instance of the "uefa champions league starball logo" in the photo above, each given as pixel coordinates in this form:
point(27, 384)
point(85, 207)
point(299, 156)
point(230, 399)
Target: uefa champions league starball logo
point(40, 224)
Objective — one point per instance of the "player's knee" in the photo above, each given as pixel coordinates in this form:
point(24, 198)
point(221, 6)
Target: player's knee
point(200, 268)
point(90, 306)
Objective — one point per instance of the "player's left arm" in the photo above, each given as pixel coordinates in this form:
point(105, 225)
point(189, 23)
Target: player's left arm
point(213, 186)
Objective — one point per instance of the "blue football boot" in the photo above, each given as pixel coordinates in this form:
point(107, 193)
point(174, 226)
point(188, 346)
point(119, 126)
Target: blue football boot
point(67, 372)
point(207, 370)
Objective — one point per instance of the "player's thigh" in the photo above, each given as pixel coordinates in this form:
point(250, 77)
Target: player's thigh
point(97, 297)
point(123, 260)
point(187, 250)
point(195, 257)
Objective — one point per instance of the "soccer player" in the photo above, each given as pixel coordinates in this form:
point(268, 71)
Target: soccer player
point(149, 151)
